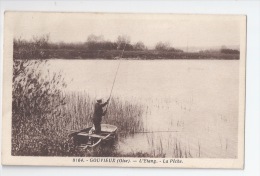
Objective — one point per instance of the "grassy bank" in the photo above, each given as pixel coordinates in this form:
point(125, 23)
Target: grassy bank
point(112, 54)
point(75, 114)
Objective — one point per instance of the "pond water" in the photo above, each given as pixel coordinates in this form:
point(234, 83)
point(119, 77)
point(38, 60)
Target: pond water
point(192, 104)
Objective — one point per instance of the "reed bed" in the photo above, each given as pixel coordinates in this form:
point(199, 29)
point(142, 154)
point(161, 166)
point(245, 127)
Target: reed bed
point(75, 114)
point(43, 114)
point(167, 146)
point(79, 108)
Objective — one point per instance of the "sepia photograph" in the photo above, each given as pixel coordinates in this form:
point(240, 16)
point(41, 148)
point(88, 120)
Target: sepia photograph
point(124, 90)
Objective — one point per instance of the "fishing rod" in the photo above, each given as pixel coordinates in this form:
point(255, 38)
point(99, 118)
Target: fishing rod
point(120, 58)
point(149, 132)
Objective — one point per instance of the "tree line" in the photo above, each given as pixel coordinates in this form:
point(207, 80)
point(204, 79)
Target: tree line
point(93, 42)
point(96, 47)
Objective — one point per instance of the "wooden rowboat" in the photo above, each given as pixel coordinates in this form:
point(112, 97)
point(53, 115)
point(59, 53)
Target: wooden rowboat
point(84, 139)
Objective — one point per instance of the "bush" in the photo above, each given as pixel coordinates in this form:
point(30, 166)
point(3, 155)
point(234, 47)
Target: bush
point(35, 101)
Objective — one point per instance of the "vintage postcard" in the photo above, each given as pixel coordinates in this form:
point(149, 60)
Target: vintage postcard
point(124, 90)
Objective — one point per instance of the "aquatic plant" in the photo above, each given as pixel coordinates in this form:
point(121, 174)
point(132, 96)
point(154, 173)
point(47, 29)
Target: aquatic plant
point(34, 101)
point(43, 114)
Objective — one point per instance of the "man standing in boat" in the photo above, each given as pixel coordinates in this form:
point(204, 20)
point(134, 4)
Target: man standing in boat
point(98, 113)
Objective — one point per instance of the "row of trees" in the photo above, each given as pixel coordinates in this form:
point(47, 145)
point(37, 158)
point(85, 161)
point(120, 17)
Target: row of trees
point(93, 42)
point(98, 47)
point(223, 51)
point(229, 51)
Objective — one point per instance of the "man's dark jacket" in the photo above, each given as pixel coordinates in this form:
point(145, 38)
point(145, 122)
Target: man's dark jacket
point(98, 112)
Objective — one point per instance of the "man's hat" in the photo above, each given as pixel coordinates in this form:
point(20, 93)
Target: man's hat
point(99, 99)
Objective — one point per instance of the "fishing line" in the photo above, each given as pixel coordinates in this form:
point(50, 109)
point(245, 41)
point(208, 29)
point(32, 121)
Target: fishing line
point(136, 132)
point(149, 132)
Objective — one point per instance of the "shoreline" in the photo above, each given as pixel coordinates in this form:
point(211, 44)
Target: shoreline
point(114, 55)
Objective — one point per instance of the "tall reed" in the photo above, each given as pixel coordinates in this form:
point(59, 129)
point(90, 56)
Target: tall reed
point(43, 115)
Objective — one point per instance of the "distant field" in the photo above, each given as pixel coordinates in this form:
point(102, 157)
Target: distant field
point(112, 54)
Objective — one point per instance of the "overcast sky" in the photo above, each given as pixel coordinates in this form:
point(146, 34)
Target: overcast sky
point(179, 30)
